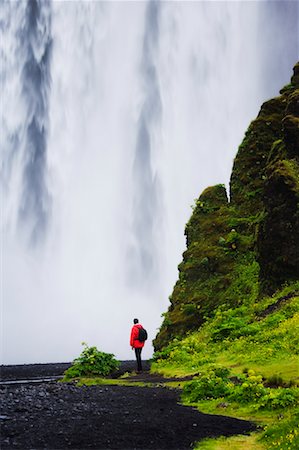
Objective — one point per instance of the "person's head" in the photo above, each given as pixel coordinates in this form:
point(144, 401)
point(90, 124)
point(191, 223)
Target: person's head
point(135, 321)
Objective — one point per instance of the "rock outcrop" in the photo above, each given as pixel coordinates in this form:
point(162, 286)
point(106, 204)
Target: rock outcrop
point(239, 249)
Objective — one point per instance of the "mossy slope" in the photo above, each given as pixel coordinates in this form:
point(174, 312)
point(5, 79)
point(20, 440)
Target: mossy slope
point(245, 362)
point(239, 250)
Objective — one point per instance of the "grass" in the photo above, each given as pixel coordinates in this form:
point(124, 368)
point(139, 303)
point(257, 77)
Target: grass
point(95, 381)
point(238, 353)
point(253, 337)
point(222, 318)
point(172, 371)
point(286, 367)
point(125, 380)
point(232, 443)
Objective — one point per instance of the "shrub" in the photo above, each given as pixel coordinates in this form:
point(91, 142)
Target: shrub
point(222, 372)
point(283, 435)
point(251, 390)
point(91, 362)
point(275, 381)
point(189, 309)
point(205, 388)
point(279, 398)
point(229, 323)
point(213, 384)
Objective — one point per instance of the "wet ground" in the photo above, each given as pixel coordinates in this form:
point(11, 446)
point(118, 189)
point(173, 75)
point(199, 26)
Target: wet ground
point(52, 415)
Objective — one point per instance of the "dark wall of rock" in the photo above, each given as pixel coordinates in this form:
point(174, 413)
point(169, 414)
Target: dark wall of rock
point(278, 236)
point(247, 179)
point(253, 240)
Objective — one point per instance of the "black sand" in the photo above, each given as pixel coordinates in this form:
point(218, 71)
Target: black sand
point(58, 416)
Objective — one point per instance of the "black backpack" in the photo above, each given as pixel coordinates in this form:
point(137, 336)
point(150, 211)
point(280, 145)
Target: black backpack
point(142, 335)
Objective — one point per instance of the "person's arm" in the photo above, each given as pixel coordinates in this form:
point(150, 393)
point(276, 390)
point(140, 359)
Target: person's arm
point(132, 338)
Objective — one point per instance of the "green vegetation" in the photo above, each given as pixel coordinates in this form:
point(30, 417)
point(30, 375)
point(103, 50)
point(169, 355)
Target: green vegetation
point(246, 389)
point(128, 379)
point(231, 443)
point(284, 434)
point(246, 247)
point(100, 381)
point(245, 362)
point(91, 362)
point(233, 319)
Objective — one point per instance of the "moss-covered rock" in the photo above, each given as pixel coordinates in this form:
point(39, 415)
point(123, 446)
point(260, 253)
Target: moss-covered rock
point(216, 242)
point(210, 201)
point(291, 134)
point(295, 77)
point(278, 236)
point(238, 249)
point(247, 179)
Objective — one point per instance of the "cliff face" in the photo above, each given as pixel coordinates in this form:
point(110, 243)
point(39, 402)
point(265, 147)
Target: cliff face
point(265, 179)
point(250, 245)
point(278, 236)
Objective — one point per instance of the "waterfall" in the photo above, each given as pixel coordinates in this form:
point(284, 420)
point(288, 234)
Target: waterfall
point(28, 54)
point(114, 117)
point(146, 192)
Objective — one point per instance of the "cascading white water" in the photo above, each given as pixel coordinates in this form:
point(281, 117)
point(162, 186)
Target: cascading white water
point(114, 117)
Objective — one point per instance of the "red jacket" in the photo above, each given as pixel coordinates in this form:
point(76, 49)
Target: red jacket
point(134, 342)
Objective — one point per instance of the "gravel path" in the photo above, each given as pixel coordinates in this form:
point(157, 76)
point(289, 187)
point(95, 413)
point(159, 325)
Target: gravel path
point(64, 416)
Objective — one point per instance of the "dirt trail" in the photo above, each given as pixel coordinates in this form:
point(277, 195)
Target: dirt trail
point(64, 416)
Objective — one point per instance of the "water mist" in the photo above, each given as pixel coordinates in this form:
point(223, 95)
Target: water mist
point(114, 117)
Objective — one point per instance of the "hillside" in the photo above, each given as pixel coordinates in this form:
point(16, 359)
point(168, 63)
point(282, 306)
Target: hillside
point(233, 320)
point(246, 247)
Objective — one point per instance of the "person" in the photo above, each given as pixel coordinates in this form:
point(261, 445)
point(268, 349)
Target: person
point(136, 344)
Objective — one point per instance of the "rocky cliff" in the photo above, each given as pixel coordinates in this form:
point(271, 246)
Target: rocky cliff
point(241, 248)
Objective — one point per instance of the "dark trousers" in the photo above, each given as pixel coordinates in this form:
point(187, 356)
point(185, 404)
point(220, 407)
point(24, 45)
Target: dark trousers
point(138, 358)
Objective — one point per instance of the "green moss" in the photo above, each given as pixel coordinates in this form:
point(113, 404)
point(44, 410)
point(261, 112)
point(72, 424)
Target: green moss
point(217, 267)
point(295, 77)
point(278, 152)
point(214, 196)
point(292, 103)
point(239, 249)
point(248, 173)
point(272, 109)
point(287, 89)
point(236, 302)
point(278, 233)
point(288, 172)
point(291, 134)
point(254, 352)
point(210, 214)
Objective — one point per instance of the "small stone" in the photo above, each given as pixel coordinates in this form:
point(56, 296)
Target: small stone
point(222, 405)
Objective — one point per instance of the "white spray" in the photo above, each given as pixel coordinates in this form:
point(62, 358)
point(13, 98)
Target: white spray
point(137, 107)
